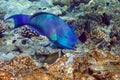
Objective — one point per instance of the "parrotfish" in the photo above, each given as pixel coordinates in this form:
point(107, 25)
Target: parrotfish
point(49, 25)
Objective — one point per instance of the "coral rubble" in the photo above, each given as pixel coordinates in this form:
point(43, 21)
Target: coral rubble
point(94, 65)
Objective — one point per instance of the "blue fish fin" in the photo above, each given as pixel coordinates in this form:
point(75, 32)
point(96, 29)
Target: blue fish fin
point(35, 30)
point(48, 44)
point(51, 44)
point(54, 46)
point(19, 19)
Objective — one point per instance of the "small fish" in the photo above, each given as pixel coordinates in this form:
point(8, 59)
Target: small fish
point(49, 25)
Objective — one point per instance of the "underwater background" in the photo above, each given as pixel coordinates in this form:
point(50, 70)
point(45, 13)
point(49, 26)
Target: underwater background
point(25, 56)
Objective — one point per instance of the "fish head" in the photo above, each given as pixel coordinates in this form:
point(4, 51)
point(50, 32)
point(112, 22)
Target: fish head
point(66, 38)
point(65, 43)
point(55, 29)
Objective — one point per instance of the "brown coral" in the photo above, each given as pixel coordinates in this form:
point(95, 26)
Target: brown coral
point(4, 75)
point(90, 67)
point(95, 65)
point(28, 32)
point(18, 65)
point(23, 68)
point(97, 35)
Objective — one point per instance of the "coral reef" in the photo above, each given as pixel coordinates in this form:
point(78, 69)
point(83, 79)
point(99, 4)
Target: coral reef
point(26, 32)
point(70, 66)
point(97, 35)
point(2, 13)
point(25, 56)
point(3, 28)
point(115, 31)
point(33, 0)
point(61, 2)
point(4, 75)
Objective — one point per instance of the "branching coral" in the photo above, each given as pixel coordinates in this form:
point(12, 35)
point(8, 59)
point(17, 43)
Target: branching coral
point(97, 35)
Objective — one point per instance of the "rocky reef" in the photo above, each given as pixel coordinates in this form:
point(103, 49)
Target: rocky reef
point(94, 65)
point(25, 56)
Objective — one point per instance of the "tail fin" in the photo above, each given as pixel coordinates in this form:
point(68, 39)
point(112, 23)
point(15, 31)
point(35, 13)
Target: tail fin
point(19, 19)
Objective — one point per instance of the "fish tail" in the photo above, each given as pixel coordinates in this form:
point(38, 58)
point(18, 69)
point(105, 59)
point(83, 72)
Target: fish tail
point(19, 19)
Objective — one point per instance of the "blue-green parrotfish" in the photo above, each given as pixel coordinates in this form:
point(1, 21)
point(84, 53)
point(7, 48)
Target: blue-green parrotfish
point(49, 25)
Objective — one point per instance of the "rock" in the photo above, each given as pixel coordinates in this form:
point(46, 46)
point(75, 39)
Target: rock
point(25, 46)
point(8, 56)
point(61, 2)
point(64, 9)
point(7, 48)
point(3, 26)
point(2, 13)
point(55, 10)
point(33, 0)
